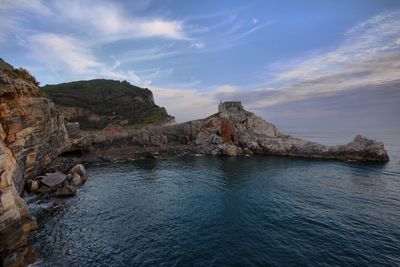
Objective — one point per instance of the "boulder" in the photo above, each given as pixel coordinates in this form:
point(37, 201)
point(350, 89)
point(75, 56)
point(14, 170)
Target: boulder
point(32, 186)
point(65, 191)
point(53, 179)
point(76, 180)
point(79, 169)
point(230, 150)
point(45, 190)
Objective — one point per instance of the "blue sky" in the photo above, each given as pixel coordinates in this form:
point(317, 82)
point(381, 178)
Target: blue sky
point(316, 63)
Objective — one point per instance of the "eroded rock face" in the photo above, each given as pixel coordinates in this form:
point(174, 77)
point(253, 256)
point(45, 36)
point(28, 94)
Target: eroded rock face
point(15, 220)
point(32, 134)
point(34, 129)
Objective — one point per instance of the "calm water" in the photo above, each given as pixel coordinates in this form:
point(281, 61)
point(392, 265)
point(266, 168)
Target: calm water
point(211, 211)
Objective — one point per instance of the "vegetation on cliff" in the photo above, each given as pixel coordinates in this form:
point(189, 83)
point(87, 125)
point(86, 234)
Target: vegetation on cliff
point(102, 102)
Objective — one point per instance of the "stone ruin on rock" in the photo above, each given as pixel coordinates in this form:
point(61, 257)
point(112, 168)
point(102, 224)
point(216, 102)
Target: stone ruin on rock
point(230, 107)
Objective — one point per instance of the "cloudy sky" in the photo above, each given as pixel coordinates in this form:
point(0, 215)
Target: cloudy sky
point(314, 63)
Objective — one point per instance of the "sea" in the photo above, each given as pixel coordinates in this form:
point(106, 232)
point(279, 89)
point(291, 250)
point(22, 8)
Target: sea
point(231, 211)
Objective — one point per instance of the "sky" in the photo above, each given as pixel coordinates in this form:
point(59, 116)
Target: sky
point(312, 63)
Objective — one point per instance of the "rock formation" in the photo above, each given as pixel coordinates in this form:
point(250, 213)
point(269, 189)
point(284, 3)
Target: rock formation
point(32, 134)
point(231, 131)
point(15, 221)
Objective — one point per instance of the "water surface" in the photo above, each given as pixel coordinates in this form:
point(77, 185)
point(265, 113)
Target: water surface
point(218, 211)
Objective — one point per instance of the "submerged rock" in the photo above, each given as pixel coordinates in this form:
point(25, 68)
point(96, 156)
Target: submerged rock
point(65, 191)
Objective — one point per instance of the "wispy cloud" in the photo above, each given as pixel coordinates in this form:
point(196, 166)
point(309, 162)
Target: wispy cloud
point(66, 54)
point(186, 103)
point(109, 23)
point(369, 55)
point(75, 30)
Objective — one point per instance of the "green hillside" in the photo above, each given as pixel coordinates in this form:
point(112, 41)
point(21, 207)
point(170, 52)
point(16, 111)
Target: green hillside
point(113, 101)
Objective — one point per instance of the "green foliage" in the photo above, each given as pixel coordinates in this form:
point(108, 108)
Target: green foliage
point(21, 73)
point(113, 101)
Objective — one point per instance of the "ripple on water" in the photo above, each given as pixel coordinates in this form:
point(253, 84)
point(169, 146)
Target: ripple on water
point(205, 211)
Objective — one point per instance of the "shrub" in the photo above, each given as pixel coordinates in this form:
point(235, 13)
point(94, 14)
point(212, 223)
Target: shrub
point(21, 73)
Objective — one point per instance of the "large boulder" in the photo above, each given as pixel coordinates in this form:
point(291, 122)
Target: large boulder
point(80, 170)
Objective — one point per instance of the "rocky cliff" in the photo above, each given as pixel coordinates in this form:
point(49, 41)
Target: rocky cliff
point(98, 103)
point(32, 134)
point(232, 131)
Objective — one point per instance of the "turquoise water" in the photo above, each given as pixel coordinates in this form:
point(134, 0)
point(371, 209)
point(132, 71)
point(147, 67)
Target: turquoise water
point(217, 211)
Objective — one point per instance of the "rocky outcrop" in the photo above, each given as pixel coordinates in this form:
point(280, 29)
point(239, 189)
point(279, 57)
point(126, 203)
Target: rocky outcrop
point(59, 184)
point(34, 129)
point(232, 131)
point(15, 221)
point(32, 134)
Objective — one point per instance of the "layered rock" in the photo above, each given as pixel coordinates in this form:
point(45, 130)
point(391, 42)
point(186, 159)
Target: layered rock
point(32, 134)
point(231, 131)
point(15, 221)
point(34, 129)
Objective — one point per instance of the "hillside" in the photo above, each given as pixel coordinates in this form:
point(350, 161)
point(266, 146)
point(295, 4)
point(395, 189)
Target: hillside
point(97, 103)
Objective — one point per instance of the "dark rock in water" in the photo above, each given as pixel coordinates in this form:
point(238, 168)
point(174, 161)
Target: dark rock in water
point(76, 180)
point(53, 179)
point(45, 190)
point(80, 170)
point(65, 191)
point(55, 207)
point(21, 257)
point(32, 185)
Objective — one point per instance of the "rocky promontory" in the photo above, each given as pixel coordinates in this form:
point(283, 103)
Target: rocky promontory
point(232, 131)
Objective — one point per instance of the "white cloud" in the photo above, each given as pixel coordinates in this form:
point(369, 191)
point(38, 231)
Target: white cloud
point(67, 54)
point(109, 23)
point(58, 51)
point(225, 89)
point(185, 104)
point(188, 104)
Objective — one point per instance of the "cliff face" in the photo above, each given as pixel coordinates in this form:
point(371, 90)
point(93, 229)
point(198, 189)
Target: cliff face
point(15, 221)
point(98, 103)
point(34, 129)
point(32, 134)
point(231, 131)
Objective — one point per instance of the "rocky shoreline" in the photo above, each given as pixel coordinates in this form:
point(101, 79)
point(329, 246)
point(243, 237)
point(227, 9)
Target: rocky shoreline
point(232, 131)
point(42, 153)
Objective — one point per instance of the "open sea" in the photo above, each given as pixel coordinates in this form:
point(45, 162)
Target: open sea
point(219, 211)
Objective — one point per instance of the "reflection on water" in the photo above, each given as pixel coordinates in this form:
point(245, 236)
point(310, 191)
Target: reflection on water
point(202, 211)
